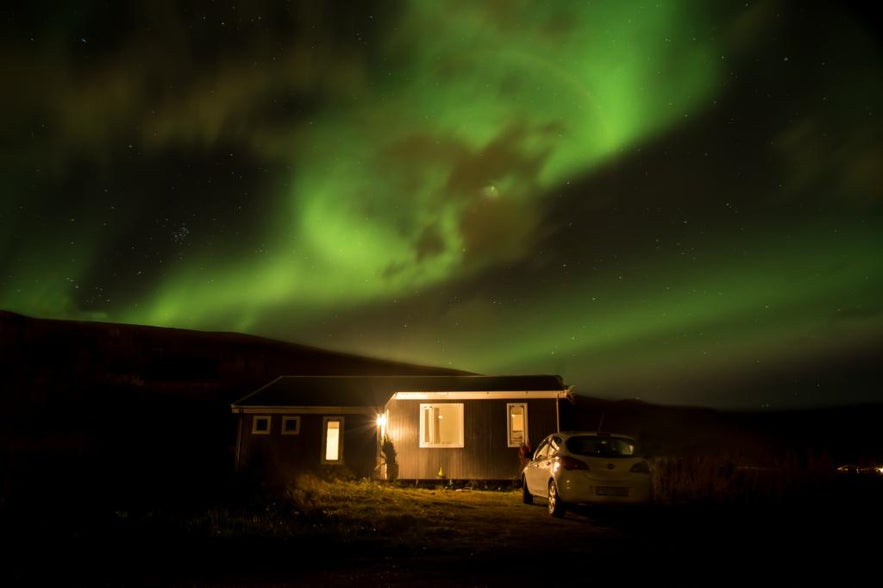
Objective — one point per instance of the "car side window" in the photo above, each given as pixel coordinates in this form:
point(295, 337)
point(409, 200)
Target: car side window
point(554, 445)
point(542, 451)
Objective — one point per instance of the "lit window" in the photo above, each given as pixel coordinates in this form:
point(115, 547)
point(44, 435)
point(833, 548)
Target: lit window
point(441, 425)
point(260, 425)
point(516, 416)
point(332, 440)
point(291, 425)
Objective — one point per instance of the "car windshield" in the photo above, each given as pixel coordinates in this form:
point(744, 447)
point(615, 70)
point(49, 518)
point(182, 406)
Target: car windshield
point(602, 446)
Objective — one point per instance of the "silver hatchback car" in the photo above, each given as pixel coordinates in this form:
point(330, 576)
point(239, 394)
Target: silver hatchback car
point(587, 467)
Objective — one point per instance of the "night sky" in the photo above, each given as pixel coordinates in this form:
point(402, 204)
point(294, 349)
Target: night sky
point(680, 202)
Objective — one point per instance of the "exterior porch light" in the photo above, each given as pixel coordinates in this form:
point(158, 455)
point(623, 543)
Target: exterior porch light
point(381, 421)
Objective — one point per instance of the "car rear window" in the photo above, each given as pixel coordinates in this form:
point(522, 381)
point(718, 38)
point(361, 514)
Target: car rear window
point(602, 447)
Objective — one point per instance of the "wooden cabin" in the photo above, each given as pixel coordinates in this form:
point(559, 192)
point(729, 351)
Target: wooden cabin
point(439, 427)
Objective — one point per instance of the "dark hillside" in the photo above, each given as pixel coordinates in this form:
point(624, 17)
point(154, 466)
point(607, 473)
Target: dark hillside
point(838, 434)
point(43, 353)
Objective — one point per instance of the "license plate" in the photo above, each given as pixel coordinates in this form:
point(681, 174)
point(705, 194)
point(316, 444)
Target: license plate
point(611, 491)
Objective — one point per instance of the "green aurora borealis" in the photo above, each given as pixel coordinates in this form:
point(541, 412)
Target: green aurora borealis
point(677, 201)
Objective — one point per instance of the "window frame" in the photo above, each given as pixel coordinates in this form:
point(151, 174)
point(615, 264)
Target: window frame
point(325, 428)
point(261, 418)
point(290, 419)
point(509, 430)
point(459, 412)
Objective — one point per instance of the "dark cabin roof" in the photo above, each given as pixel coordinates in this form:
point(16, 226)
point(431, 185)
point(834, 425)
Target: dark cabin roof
point(375, 391)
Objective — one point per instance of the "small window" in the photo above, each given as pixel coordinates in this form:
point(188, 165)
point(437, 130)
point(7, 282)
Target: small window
point(441, 425)
point(260, 425)
point(291, 425)
point(516, 423)
point(332, 440)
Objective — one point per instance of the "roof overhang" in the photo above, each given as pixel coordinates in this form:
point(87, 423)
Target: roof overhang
point(366, 410)
point(495, 395)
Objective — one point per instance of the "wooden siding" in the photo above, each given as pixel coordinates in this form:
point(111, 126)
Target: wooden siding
point(485, 455)
point(279, 458)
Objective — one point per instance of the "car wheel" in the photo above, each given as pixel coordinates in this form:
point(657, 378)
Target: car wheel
point(526, 496)
point(556, 506)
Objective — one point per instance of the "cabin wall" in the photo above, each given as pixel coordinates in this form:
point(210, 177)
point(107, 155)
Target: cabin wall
point(485, 455)
point(278, 459)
